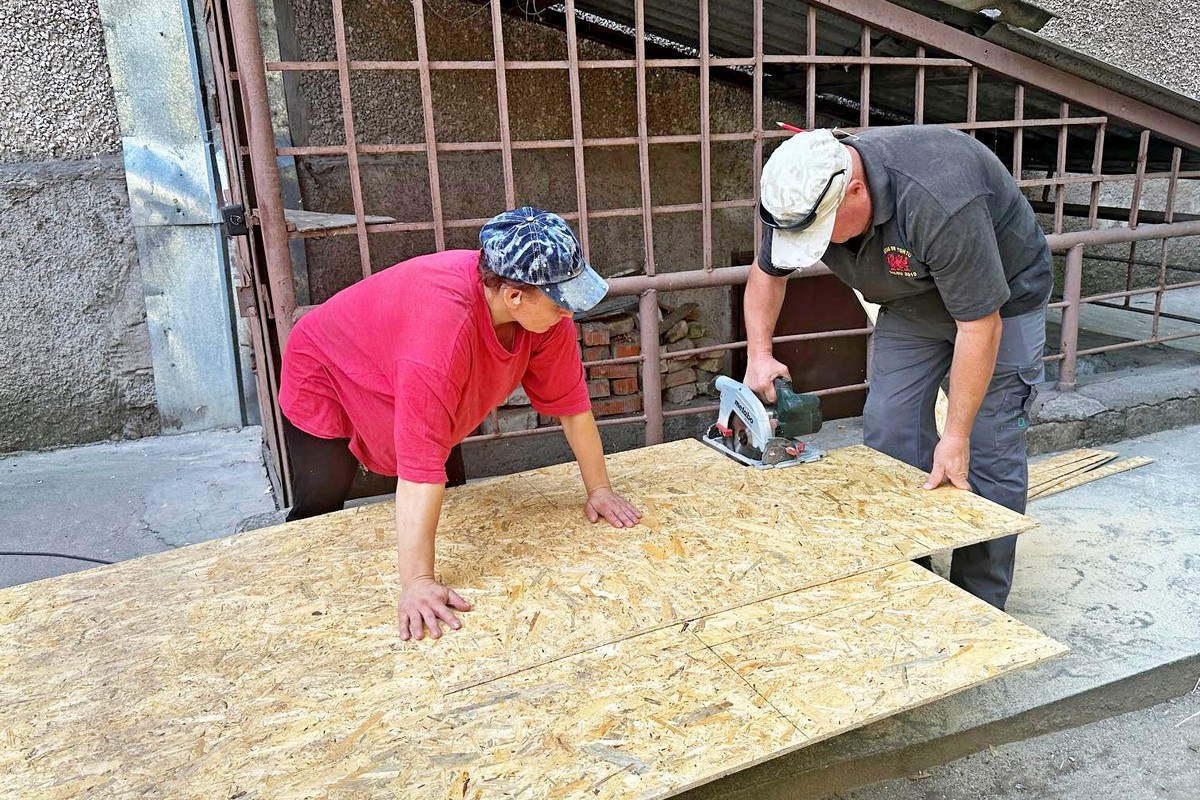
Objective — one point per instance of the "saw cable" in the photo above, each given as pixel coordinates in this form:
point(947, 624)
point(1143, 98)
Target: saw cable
point(53, 555)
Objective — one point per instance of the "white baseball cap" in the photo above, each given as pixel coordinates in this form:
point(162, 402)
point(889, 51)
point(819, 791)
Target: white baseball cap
point(802, 185)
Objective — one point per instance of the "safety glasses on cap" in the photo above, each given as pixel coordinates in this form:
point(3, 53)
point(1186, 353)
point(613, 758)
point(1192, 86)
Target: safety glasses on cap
point(804, 222)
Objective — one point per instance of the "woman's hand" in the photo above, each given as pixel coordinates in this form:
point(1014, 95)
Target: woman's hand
point(604, 502)
point(426, 604)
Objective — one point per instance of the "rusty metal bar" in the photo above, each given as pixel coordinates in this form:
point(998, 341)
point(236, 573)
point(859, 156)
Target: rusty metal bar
point(1169, 213)
point(577, 125)
point(1117, 178)
point(1069, 335)
point(261, 138)
point(864, 79)
point(1019, 133)
point(708, 409)
point(1097, 175)
point(615, 63)
point(757, 121)
point(651, 379)
point(1065, 241)
point(705, 143)
point(1096, 298)
point(973, 96)
point(1060, 168)
point(1163, 314)
point(643, 139)
point(510, 192)
point(810, 99)
point(919, 91)
point(487, 437)
point(435, 184)
point(917, 27)
point(692, 138)
point(356, 193)
point(1126, 345)
point(1135, 205)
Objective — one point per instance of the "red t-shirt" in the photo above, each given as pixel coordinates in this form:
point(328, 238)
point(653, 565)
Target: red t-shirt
point(406, 363)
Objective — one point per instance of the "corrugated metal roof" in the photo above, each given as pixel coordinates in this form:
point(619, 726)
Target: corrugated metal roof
point(731, 31)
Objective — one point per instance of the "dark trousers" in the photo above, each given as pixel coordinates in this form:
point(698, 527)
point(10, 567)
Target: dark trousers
point(909, 362)
point(323, 472)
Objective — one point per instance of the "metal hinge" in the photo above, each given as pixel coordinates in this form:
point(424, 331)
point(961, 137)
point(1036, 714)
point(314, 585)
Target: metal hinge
point(233, 218)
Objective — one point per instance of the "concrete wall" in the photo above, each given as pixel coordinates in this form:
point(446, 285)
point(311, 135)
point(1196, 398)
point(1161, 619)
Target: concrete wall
point(1150, 38)
point(1155, 41)
point(77, 357)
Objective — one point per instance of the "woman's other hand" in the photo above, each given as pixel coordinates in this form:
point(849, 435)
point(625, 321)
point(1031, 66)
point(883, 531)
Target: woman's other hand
point(606, 503)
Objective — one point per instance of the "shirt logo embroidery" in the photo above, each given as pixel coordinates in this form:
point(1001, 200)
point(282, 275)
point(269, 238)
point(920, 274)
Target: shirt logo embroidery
point(897, 261)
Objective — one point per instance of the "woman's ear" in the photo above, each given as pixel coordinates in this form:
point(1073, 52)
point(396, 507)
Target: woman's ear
point(513, 295)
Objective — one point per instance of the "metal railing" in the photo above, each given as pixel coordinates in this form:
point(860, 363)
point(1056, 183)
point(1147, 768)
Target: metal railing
point(955, 53)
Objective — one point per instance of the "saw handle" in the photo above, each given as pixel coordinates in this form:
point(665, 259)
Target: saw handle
point(797, 414)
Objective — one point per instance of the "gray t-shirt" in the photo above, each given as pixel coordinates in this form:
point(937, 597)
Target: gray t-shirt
point(952, 234)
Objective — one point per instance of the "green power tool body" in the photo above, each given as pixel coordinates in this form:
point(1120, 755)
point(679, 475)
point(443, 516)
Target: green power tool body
point(761, 436)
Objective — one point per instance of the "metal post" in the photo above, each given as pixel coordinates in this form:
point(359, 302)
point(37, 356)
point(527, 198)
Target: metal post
point(651, 380)
point(252, 76)
point(1069, 342)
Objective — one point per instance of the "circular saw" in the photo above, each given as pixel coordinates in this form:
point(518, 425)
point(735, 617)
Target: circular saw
point(762, 436)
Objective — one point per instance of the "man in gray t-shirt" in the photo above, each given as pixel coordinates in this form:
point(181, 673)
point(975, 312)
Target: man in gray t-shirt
point(926, 222)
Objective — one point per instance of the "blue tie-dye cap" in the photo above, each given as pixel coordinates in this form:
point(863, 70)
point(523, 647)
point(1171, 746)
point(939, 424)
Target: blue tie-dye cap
point(539, 248)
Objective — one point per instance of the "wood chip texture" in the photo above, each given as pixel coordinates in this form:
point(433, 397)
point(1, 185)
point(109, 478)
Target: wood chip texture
point(753, 613)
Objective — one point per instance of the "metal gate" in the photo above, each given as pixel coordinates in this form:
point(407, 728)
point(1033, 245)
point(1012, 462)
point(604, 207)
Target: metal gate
point(852, 64)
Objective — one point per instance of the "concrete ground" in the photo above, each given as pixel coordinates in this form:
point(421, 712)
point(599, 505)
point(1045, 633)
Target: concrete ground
point(1152, 754)
point(120, 500)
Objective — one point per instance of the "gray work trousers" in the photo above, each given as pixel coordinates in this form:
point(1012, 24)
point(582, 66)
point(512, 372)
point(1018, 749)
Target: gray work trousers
point(909, 361)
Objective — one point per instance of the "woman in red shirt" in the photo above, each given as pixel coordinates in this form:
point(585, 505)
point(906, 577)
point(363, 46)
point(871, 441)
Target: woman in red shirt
point(399, 368)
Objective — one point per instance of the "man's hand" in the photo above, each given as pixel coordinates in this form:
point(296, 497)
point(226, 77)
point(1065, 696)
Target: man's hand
point(426, 604)
point(606, 503)
point(951, 463)
point(761, 373)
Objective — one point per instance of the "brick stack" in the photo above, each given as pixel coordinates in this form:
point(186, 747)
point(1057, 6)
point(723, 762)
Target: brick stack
point(685, 378)
point(615, 389)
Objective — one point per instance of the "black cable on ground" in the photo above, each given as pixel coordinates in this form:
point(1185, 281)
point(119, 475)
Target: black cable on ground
point(53, 555)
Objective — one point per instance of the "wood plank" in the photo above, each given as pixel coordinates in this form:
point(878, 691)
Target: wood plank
point(300, 220)
point(1051, 470)
point(1096, 474)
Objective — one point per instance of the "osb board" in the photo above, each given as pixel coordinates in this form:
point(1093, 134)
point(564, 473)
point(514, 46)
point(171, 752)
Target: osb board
point(546, 583)
point(1093, 474)
point(1047, 472)
point(199, 694)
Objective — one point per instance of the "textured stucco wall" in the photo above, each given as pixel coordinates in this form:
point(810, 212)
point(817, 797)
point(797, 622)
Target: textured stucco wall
point(73, 330)
point(77, 365)
point(1150, 38)
point(55, 92)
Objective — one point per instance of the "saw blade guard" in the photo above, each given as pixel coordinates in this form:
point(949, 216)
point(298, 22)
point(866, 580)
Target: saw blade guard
point(738, 400)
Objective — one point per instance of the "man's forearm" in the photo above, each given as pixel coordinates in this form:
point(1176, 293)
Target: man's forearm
point(418, 506)
point(584, 438)
point(763, 299)
point(971, 371)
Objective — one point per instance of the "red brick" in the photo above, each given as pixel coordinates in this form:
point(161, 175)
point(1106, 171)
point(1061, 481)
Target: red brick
point(613, 371)
point(598, 353)
point(622, 386)
point(679, 378)
point(626, 349)
point(595, 334)
point(598, 388)
point(610, 406)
